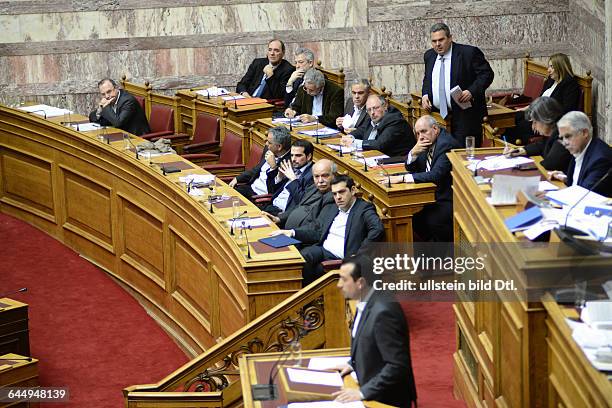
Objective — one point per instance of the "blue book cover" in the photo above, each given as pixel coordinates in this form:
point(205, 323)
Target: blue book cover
point(524, 218)
point(279, 241)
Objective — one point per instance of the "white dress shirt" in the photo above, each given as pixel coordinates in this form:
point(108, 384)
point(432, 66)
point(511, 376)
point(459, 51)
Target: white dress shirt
point(356, 113)
point(334, 242)
point(435, 79)
point(359, 308)
point(550, 90)
point(579, 158)
point(259, 186)
point(282, 198)
point(317, 105)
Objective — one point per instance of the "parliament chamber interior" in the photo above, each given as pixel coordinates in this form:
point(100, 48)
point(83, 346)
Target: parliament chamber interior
point(286, 202)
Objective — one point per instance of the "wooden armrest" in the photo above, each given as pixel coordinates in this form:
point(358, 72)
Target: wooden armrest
point(198, 146)
point(331, 264)
point(200, 156)
point(157, 135)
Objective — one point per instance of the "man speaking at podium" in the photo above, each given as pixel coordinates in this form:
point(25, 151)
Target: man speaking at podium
point(267, 77)
point(380, 347)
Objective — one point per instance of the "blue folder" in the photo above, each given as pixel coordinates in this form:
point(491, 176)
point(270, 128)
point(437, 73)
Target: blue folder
point(279, 241)
point(524, 218)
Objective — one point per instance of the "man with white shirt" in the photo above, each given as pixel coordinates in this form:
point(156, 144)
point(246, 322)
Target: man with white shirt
point(317, 100)
point(304, 60)
point(259, 179)
point(591, 157)
point(380, 345)
point(339, 231)
point(117, 108)
point(447, 65)
point(355, 107)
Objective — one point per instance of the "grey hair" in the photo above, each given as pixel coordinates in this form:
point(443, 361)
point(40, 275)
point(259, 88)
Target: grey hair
point(429, 120)
point(544, 110)
point(281, 136)
point(306, 53)
point(362, 81)
point(578, 121)
point(440, 27)
point(381, 99)
point(315, 77)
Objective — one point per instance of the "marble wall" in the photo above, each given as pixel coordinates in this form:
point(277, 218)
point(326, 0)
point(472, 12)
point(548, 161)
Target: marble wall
point(56, 51)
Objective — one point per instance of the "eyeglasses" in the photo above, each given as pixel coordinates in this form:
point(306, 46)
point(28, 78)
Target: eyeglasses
point(374, 108)
point(310, 91)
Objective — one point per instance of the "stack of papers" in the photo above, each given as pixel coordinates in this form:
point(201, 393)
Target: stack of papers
point(232, 98)
point(249, 222)
point(594, 335)
point(212, 91)
point(371, 161)
point(499, 163)
point(506, 187)
point(571, 195)
point(197, 178)
point(456, 94)
point(86, 127)
point(598, 314)
point(49, 111)
point(325, 131)
point(305, 376)
point(337, 148)
point(326, 404)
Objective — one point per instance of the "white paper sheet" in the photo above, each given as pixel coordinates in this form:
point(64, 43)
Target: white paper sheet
point(326, 404)
point(86, 127)
point(315, 377)
point(571, 195)
point(321, 132)
point(546, 185)
point(345, 149)
point(499, 163)
point(232, 98)
point(347, 122)
point(249, 222)
point(212, 91)
point(506, 187)
point(327, 363)
point(371, 161)
point(49, 111)
point(456, 94)
point(197, 178)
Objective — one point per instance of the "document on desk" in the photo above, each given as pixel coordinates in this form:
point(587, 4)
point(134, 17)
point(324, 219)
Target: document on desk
point(571, 195)
point(212, 91)
point(326, 404)
point(305, 376)
point(345, 149)
point(327, 363)
point(499, 163)
point(197, 178)
point(49, 111)
point(598, 314)
point(371, 161)
point(254, 222)
point(506, 187)
point(325, 131)
point(233, 98)
point(86, 127)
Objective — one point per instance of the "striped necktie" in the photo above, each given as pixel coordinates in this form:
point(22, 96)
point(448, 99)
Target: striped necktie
point(430, 153)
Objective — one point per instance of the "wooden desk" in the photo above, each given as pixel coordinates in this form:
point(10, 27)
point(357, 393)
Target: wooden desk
point(396, 205)
point(573, 381)
point(14, 332)
point(191, 104)
point(255, 369)
point(498, 119)
point(17, 372)
point(142, 228)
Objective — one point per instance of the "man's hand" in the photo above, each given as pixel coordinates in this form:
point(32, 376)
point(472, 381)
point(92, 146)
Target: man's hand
point(290, 113)
point(514, 151)
point(557, 175)
point(298, 73)
point(347, 140)
point(344, 369)
point(347, 395)
point(425, 103)
point(271, 217)
point(287, 170)
point(268, 70)
point(105, 102)
point(245, 94)
point(279, 232)
point(394, 180)
point(421, 146)
point(466, 96)
point(271, 159)
point(305, 118)
point(233, 182)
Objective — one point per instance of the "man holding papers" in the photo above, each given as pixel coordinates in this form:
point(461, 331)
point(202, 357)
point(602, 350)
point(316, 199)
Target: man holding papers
point(380, 346)
point(117, 108)
point(448, 65)
point(386, 130)
point(355, 113)
point(591, 157)
point(318, 100)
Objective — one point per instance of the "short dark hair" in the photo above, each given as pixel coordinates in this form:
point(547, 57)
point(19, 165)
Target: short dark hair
point(363, 267)
point(440, 27)
point(341, 178)
point(280, 41)
point(112, 82)
point(281, 136)
point(308, 147)
point(545, 110)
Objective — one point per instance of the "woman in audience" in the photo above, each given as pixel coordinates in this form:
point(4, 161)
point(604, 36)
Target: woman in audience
point(560, 85)
point(544, 113)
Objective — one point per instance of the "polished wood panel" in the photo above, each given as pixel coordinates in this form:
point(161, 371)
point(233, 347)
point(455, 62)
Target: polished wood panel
point(14, 331)
point(142, 227)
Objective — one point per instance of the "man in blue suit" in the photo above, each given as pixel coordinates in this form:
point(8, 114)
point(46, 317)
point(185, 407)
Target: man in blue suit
point(427, 163)
point(449, 64)
point(591, 157)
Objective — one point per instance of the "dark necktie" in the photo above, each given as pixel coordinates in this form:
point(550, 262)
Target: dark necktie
point(430, 153)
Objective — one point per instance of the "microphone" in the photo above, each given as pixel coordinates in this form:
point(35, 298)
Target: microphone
point(365, 163)
point(129, 140)
point(13, 292)
point(246, 237)
point(317, 131)
point(16, 359)
point(476, 167)
point(380, 164)
point(236, 219)
point(291, 124)
point(40, 110)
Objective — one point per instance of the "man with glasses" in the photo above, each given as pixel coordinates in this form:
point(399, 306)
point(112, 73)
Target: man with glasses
point(267, 77)
point(304, 60)
point(386, 130)
point(591, 157)
point(319, 100)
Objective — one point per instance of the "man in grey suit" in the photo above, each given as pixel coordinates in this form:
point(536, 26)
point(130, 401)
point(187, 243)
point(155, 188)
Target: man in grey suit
point(316, 197)
point(356, 106)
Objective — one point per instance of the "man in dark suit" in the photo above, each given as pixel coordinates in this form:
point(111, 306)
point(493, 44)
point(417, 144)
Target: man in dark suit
point(316, 197)
point(427, 163)
point(293, 178)
point(387, 130)
point(339, 231)
point(260, 179)
point(119, 109)
point(355, 107)
point(591, 156)
point(449, 64)
point(380, 344)
point(267, 77)
point(304, 60)
point(317, 100)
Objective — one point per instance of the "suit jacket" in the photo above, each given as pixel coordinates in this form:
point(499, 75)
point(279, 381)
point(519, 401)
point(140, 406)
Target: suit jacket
point(440, 172)
point(333, 100)
point(363, 226)
point(129, 116)
point(394, 137)
point(596, 163)
point(555, 156)
point(275, 85)
point(296, 188)
point(313, 202)
point(471, 71)
point(567, 93)
point(380, 353)
point(249, 176)
point(297, 84)
point(349, 108)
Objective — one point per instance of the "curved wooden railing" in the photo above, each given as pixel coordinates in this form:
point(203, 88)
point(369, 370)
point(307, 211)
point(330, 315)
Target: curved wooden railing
point(318, 312)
